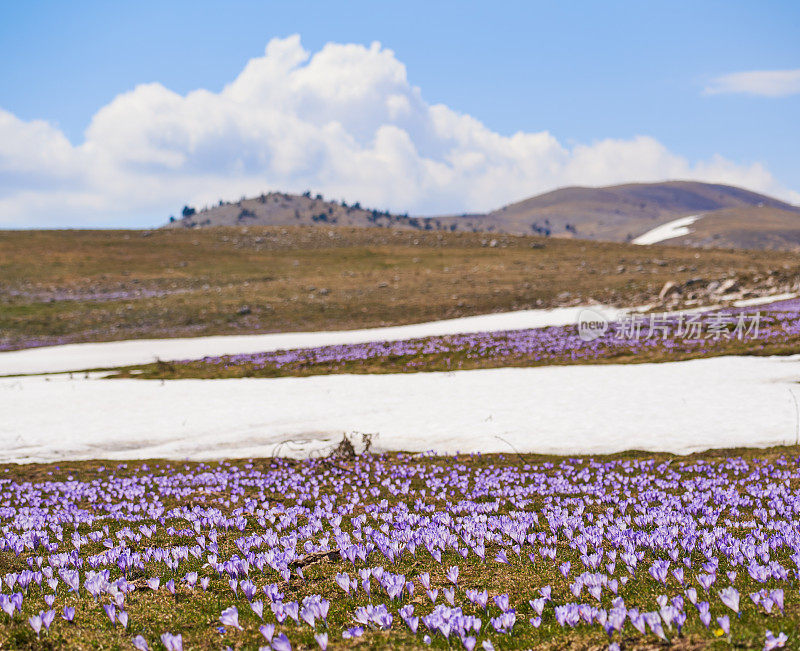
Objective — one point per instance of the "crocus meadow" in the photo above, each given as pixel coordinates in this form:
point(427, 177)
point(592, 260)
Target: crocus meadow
point(644, 338)
point(458, 552)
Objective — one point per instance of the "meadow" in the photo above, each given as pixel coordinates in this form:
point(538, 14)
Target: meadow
point(74, 286)
point(378, 550)
point(632, 551)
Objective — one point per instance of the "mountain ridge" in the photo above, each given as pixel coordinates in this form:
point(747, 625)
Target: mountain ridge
point(618, 213)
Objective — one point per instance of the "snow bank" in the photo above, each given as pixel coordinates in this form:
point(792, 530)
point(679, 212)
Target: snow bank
point(77, 357)
point(677, 407)
point(764, 300)
point(667, 231)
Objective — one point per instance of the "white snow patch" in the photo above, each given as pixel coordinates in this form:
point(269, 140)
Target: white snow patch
point(762, 300)
point(667, 231)
point(77, 357)
point(677, 407)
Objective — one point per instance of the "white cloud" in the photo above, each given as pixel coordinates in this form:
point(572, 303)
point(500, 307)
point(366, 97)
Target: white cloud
point(766, 83)
point(344, 121)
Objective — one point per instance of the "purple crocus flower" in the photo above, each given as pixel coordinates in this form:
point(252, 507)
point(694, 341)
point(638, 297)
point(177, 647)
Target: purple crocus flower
point(172, 642)
point(343, 581)
point(47, 618)
point(704, 612)
point(355, 631)
point(502, 602)
point(777, 597)
point(36, 624)
point(653, 620)
point(248, 589)
point(730, 597)
point(637, 620)
point(772, 642)
point(292, 609)
point(281, 643)
point(308, 616)
point(452, 574)
point(706, 580)
point(230, 617)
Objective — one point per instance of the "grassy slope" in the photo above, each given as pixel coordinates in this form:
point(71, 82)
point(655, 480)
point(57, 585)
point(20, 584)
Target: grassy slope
point(65, 286)
point(754, 228)
point(621, 212)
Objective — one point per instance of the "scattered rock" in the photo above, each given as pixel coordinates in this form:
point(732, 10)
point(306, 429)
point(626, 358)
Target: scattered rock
point(728, 286)
point(316, 557)
point(669, 289)
point(245, 309)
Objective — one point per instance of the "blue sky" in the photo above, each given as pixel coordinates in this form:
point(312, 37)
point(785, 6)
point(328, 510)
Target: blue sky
point(584, 72)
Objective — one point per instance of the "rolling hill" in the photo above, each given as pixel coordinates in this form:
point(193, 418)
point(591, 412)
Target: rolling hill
point(726, 216)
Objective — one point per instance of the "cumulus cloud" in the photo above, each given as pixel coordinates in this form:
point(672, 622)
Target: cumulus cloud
point(766, 83)
point(344, 121)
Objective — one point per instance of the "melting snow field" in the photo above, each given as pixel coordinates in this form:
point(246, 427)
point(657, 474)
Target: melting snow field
point(667, 231)
point(77, 357)
point(678, 407)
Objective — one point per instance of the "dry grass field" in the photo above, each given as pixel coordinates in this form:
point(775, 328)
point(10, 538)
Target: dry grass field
point(73, 286)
